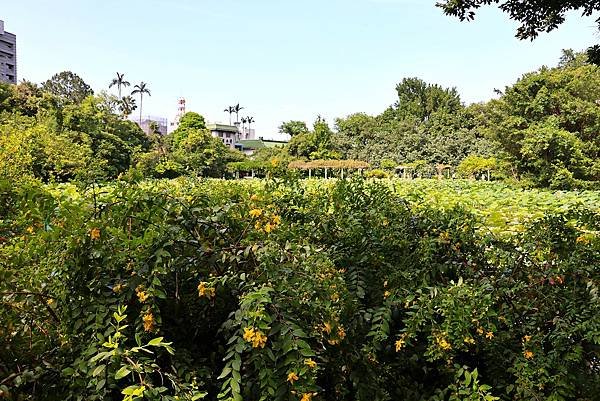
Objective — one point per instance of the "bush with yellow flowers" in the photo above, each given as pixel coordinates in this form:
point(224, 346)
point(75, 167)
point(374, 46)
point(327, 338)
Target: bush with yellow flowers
point(195, 289)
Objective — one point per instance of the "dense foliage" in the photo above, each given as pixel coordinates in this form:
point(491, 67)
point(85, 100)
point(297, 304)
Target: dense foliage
point(286, 290)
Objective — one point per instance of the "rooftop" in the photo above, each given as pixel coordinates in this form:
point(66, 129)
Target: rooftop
point(222, 127)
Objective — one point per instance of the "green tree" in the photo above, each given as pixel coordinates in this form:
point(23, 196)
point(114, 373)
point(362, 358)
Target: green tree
point(68, 87)
point(119, 82)
point(419, 100)
point(230, 110)
point(293, 128)
point(534, 16)
point(315, 144)
point(127, 105)
point(141, 89)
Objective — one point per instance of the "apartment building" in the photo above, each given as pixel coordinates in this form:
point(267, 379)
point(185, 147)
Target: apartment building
point(8, 56)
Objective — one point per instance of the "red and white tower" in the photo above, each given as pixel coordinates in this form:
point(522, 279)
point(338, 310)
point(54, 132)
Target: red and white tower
point(180, 112)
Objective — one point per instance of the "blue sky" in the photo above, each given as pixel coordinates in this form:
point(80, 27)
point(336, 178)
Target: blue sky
point(280, 59)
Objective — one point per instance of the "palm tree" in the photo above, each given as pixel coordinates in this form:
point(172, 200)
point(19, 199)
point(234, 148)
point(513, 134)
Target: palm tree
point(230, 110)
point(249, 120)
point(127, 105)
point(236, 110)
point(120, 82)
point(244, 121)
point(140, 89)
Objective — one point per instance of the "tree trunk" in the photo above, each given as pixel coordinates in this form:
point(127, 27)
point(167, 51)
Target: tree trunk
point(141, 104)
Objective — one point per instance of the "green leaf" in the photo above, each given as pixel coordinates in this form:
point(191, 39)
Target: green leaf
point(155, 342)
point(124, 371)
point(99, 369)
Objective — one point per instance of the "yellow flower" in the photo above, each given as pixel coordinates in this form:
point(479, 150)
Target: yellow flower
point(258, 226)
point(255, 212)
point(205, 291)
point(327, 327)
point(306, 397)
point(259, 340)
point(276, 219)
point(148, 321)
point(268, 227)
point(400, 343)
point(341, 333)
point(443, 343)
point(292, 377)
point(30, 229)
point(527, 354)
point(469, 340)
point(118, 288)
point(386, 294)
point(526, 339)
point(248, 334)
point(141, 294)
point(489, 335)
point(275, 162)
point(480, 330)
point(310, 363)
point(582, 240)
point(94, 233)
point(335, 297)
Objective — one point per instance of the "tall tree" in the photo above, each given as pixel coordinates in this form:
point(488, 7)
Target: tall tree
point(120, 82)
point(127, 105)
point(68, 87)
point(293, 128)
point(230, 110)
point(141, 89)
point(236, 109)
point(420, 100)
point(249, 120)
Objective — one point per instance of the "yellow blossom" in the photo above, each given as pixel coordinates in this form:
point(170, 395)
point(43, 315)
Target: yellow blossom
point(526, 339)
point(386, 294)
point(30, 229)
point(335, 297)
point(148, 321)
point(292, 377)
point(141, 294)
point(310, 363)
point(527, 354)
point(268, 227)
point(118, 288)
point(259, 340)
point(205, 291)
point(258, 226)
point(489, 335)
point(276, 219)
point(469, 340)
point(94, 233)
point(400, 343)
point(480, 330)
point(443, 343)
point(327, 327)
point(255, 212)
point(306, 397)
point(341, 333)
point(248, 334)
